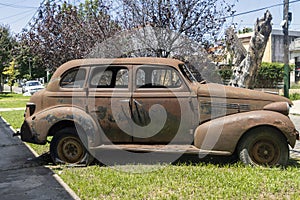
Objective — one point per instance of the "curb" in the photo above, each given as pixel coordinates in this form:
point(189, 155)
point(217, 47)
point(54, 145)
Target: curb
point(57, 178)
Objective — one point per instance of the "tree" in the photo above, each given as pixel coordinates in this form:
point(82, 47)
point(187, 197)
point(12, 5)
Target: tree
point(64, 32)
point(168, 21)
point(246, 67)
point(7, 43)
point(28, 64)
point(11, 72)
point(167, 28)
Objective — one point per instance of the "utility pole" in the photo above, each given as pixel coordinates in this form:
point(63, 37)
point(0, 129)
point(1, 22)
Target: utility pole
point(285, 29)
point(29, 60)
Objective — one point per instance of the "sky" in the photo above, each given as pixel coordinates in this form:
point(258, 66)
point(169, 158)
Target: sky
point(18, 13)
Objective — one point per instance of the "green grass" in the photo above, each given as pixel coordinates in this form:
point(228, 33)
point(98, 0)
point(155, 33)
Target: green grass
point(201, 181)
point(14, 118)
point(8, 100)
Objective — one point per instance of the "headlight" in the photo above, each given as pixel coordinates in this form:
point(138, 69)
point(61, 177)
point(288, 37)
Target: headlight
point(282, 107)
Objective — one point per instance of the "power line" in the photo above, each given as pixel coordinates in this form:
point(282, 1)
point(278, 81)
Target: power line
point(11, 16)
point(38, 9)
point(259, 9)
point(17, 6)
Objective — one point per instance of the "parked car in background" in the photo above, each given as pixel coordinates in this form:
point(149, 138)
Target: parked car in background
point(31, 87)
point(95, 105)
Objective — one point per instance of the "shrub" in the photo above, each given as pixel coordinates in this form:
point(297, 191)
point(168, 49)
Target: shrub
point(269, 75)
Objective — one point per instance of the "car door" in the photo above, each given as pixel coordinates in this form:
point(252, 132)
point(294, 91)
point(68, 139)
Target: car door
point(109, 101)
point(161, 106)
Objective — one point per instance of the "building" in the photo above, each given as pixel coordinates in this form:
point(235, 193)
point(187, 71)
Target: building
point(274, 51)
point(295, 58)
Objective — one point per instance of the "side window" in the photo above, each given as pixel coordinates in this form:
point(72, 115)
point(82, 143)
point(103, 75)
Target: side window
point(157, 77)
point(122, 78)
point(74, 78)
point(165, 78)
point(109, 77)
point(140, 77)
point(101, 78)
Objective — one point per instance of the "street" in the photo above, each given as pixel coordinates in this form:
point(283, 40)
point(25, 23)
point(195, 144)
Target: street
point(296, 121)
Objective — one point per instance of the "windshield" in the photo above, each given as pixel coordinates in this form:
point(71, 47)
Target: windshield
point(194, 76)
point(36, 83)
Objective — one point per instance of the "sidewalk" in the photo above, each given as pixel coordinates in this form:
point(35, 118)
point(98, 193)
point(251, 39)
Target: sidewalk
point(22, 178)
point(295, 109)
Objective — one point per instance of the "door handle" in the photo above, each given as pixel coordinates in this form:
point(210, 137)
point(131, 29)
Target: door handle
point(137, 103)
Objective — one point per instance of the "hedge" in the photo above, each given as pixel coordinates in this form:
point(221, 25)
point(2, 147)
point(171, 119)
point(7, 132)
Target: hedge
point(269, 75)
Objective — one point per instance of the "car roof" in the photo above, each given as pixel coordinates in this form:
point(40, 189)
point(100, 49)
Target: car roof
point(116, 61)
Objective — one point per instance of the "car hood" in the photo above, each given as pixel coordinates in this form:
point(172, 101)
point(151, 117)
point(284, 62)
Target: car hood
point(35, 87)
point(220, 100)
point(220, 91)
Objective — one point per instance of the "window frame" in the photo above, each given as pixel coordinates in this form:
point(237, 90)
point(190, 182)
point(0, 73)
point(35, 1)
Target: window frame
point(112, 86)
point(182, 87)
point(70, 71)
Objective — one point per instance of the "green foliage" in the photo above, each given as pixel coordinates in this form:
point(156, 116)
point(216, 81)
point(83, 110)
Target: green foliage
point(269, 75)
point(225, 74)
point(11, 72)
point(246, 30)
point(294, 96)
point(7, 43)
point(25, 61)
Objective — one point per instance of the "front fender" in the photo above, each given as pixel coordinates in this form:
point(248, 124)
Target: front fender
point(223, 134)
point(41, 122)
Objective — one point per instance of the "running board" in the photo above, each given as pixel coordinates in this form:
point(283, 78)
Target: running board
point(186, 149)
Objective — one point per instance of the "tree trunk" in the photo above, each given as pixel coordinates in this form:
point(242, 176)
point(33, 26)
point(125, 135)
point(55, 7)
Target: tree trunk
point(245, 71)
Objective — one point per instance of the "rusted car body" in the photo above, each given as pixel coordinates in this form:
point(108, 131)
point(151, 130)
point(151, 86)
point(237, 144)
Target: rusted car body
point(153, 105)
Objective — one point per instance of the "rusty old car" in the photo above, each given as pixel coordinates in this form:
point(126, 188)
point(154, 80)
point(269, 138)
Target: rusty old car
point(150, 105)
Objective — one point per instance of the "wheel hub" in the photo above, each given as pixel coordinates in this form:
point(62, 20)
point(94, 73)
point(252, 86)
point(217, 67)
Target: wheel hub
point(71, 150)
point(265, 152)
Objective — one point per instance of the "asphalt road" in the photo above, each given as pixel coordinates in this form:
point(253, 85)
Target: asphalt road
point(296, 121)
point(21, 177)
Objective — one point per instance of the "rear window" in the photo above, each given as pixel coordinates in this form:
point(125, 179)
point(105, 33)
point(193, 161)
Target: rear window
point(74, 78)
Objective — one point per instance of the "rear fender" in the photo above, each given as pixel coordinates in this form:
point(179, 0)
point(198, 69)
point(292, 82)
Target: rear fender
point(223, 134)
point(42, 122)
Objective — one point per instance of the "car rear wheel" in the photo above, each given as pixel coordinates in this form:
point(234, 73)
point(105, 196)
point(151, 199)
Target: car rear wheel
point(264, 146)
point(67, 148)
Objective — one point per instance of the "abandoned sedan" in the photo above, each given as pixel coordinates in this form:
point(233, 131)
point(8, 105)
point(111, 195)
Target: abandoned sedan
point(154, 105)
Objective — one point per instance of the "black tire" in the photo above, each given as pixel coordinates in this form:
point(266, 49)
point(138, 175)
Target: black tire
point(67, 148)
point(264, 146)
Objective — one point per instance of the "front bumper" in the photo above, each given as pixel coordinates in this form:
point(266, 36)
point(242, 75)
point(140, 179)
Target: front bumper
point(27, 135)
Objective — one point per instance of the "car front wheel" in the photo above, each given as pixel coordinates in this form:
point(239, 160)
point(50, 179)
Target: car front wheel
point(67, 148)
point(264, 146)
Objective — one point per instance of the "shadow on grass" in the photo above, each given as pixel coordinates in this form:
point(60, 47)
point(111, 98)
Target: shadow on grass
point(186, 159)
point(5, 95)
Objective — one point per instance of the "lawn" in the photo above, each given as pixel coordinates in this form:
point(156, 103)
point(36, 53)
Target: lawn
point(200, 181)
point(13, 100)
point(180, 181)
